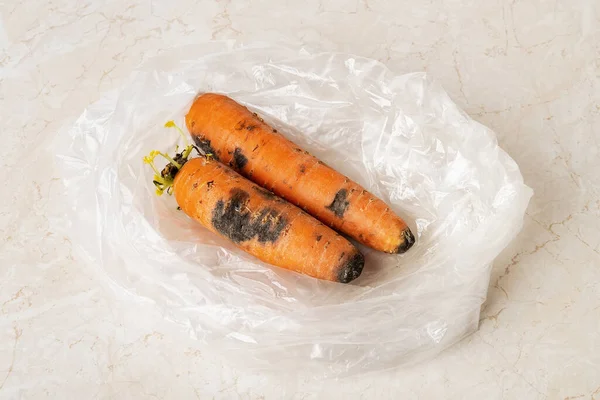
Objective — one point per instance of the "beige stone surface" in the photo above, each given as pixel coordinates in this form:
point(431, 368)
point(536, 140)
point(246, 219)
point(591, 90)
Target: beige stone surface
point(529, 69)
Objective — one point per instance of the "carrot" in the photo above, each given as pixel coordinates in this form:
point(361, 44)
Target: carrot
point(242, 140)
point(256, 220)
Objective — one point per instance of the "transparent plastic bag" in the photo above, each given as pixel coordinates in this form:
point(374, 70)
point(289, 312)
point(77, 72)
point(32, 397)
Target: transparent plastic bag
point(399, 136)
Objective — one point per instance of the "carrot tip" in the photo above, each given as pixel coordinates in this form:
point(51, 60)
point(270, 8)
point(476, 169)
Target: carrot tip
point(408, 239)
point(352, 269)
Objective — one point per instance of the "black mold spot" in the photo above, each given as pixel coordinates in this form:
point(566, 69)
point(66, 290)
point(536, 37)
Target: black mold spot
point(302, 168)
point(408, 239)
point(319, 237)
point(235, 221)
point(239, 159)
point(340, 203)
point(204, 145)
point(352, 269)
point(210, 184)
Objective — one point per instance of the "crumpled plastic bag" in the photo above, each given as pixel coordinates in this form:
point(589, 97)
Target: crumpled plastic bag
point(401, 137)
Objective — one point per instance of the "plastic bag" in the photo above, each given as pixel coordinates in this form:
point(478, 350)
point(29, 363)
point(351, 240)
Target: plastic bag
point(399, 136)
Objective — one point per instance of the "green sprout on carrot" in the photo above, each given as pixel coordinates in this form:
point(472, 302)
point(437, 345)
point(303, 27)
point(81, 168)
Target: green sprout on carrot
point(163, 180)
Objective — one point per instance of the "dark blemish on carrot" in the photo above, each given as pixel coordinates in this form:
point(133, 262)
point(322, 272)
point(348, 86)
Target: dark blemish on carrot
point(274, 130)
point(266, 194)
point(320, 162)
point(364, 191)
point(240, 125)
point(306, 152)
point(352, 268)
point(239, 159)
point(251, 127)
point(302, 168)
point(178, 208)
point(342, 255)
point(210, 184)
point(259, 118)
point(170, 170)
point(254, 149)
point(195, 185)
point(233, 221)
point(319, 237)
point(408, 239)
point(298, 150)
point(327, 244)
point(193, 124)
point(204, 145)
point(339, 203)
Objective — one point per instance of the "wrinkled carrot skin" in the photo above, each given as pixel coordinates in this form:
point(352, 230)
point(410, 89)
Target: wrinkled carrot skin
point(241, 139)
point(262, 224)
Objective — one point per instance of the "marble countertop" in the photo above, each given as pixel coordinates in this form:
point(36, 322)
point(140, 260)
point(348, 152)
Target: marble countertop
point(529, 69)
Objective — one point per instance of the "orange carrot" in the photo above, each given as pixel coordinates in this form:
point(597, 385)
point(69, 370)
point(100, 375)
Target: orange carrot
point(241, 139)
point(256, 220)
